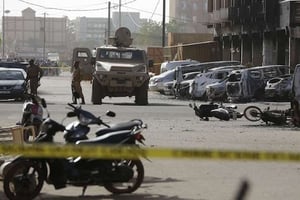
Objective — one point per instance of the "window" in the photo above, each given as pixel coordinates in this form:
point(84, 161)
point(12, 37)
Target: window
point(195, 6)
point(227, 3)
point(218, 4)
point(210, 5)
point(122, 55)
point(82, 54)
point(255, 74)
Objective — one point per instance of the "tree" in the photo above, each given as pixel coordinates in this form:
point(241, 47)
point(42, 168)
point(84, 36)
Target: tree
point(151, 33)
point(172, 27)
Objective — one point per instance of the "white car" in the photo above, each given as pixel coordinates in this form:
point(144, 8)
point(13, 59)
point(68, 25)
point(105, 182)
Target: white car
point(197, 89)
point(157, 83)
point(279, 88)
point(169, 65)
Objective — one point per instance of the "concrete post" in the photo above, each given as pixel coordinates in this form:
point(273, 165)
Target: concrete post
point(246, 52)
point(257, 55)
point(226, 48)
point(235, 48)
point(268, 48)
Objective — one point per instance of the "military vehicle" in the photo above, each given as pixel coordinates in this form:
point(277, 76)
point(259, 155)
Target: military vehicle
point(120, 70)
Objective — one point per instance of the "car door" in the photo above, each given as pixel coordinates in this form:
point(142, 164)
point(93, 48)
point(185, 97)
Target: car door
point(84, 56)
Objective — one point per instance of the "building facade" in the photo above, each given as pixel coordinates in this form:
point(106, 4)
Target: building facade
point(91, 29)
point(190, 15)
point(257, 32)
point(131, 20)
point(30, 36)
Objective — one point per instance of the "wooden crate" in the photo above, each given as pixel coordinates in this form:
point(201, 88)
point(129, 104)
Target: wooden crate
point(15, 134)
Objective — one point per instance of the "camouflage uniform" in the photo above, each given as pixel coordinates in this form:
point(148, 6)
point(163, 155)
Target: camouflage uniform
point(76, 79)
point(34, 74)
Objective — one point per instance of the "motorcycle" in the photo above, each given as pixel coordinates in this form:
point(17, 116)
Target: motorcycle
point(219, 111)
point(32, 114)
point(278, 117)
point(24, 176)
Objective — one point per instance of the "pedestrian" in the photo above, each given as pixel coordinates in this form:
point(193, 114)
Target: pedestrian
point(34, 75)
point(76, 86)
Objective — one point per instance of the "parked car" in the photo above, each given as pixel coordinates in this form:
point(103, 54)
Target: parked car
point(156, 83)
point(295, 103)
point(169, 65)
point(247, 84)
point(217, 91)
point(11, 64)
point(181, 89)
point(12, 83)
point(182, 83)
point(279, 88)
point(197, 89)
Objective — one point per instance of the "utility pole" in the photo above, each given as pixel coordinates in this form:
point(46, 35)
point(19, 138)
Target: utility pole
point(119, 13)
point(44, 43)
point(3, 22)
point(164, 23)
point(108, 24)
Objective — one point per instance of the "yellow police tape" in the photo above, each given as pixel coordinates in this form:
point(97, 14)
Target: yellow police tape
point(103, 151)
point(62, 68)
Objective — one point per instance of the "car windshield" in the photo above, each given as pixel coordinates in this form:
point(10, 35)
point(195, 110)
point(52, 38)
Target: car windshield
point(120, 55)
point(11, 75)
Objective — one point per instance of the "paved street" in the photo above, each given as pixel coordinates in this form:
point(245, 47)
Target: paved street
point(172, 123)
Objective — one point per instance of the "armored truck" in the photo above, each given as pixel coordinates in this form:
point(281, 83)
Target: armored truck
point(120, 70)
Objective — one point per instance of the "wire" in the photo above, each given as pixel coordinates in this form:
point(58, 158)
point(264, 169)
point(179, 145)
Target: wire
point(75, 10)
point(105, 8)
point(154, 9)
point(133, 21)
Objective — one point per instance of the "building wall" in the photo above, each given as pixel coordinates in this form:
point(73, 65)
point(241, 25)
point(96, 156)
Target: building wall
point(261, 32)
point(91, 29)
point(131, 20)
point(191, 15)
point(27, 35)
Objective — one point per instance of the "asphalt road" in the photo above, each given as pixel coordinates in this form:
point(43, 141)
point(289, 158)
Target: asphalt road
point(172, 123)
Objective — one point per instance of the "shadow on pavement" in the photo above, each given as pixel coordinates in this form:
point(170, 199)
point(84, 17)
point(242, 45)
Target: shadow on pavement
point(112, 197)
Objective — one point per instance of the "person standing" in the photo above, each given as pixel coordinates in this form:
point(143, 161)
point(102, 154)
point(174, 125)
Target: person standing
point(76, 86)
point(34, 74)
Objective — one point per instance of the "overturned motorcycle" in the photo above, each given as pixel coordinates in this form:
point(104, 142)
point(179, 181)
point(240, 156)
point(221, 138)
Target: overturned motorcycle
point(23, 178)
point(219, 111)
point(269, 116)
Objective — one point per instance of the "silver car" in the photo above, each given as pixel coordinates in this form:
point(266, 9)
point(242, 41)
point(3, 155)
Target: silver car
point(279, 88)
point(157, 83)
point(12, 83)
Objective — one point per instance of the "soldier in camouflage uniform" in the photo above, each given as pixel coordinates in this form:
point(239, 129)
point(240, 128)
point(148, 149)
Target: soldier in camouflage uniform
point(76, 86)
point(34, 74)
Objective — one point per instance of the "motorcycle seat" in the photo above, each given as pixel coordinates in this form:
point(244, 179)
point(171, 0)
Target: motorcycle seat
point(118, 127)
point(109, 138)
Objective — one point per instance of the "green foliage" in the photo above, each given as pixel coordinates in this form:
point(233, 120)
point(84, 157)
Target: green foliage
point(151, 33)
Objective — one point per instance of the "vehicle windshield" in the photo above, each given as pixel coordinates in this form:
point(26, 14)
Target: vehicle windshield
point(233, 77)
point(112, 54)
point(11, 75)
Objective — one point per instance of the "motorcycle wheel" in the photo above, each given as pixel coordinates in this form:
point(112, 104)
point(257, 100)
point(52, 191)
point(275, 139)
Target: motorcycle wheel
point(133, 184)
point(24, 180)
point(253, 113)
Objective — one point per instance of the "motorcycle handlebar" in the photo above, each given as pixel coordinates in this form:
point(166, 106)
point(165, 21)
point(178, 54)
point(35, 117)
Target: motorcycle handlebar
point(71, 105)
point(103, 123)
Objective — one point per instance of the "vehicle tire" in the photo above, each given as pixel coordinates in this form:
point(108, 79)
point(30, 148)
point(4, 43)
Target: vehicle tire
point(23, 180)
point(252, 113)
point(133, 184)
point(141, 96)
point(96, 92)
